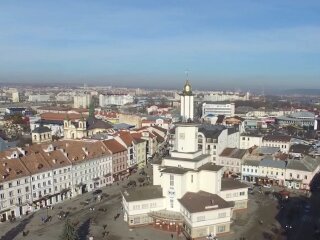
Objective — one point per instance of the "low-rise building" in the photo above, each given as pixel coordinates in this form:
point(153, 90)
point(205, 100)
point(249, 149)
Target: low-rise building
point(272, 171)
point(302, 118)
point(281, 141)
point(248, 140)
point(300, 173)
point(187, 201)
point(231, 159)
point(160, 122)
point(41, 134)
point(41, 179)
point(15, 189)
point(119, 159)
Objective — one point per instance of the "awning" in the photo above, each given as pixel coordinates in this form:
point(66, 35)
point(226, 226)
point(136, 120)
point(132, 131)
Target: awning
point(79, 185)
point(4, 211)
point(294, 180)
point(42, 198)
point(107, 175)
point(284, 193)
point(133, 167)
point(166, 215)
point(64, 190)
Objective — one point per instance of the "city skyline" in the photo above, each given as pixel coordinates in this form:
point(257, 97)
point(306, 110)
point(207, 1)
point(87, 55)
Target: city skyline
point(247, 45)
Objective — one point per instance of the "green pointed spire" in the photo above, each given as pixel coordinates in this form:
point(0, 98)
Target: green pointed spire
point(91, 110)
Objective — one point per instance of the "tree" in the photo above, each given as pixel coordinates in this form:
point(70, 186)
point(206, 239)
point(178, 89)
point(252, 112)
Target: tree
point(69, 232)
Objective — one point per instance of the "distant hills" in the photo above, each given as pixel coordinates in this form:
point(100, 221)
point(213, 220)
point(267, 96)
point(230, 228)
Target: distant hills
point(302, 91)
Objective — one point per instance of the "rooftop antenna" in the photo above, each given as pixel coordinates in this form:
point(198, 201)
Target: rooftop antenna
point(187, 73)
point(85, 86)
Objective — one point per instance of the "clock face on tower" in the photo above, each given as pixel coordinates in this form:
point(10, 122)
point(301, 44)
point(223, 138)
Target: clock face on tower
point(187, 89)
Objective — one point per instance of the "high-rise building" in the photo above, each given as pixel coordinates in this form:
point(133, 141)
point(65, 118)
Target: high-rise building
point(186, 104)
point(226, 109)
point(82, 101)
point(15, 97)
point(115, 99)
point(317, 122)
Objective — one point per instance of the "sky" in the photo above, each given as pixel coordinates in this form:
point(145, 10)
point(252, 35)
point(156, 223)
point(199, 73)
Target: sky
point(235, 45)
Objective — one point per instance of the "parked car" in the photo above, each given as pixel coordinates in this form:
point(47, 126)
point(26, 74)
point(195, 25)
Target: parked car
point(267, 186)
point(96, 192)
point(307, 208)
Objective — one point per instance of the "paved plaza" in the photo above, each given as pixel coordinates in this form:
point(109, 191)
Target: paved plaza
point(260, 221)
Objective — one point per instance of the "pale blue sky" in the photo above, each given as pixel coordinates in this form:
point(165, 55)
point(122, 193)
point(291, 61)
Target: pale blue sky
point(224, 44)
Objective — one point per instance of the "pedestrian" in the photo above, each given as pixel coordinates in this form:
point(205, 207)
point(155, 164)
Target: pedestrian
point(171, 235)
point(105, 226)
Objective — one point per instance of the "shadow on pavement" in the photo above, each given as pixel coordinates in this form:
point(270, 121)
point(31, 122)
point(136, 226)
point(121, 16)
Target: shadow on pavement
point(14, 232)
point(84, 229)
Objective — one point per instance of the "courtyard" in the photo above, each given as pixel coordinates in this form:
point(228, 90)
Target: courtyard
point(265, 218)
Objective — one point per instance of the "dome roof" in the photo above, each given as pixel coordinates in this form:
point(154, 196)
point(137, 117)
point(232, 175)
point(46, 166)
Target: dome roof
point(187, 89)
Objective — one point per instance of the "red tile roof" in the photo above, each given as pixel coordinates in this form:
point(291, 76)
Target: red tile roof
point(61, 116)
point(114, 146)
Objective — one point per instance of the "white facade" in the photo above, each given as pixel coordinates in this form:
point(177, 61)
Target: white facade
point(51, 175)
point(39, 98)
point(226, 96)
point(139, 210)
point(186, 140)
point(272, 171)
point(213, 146)
point(92, 174)
point(317, 122)
point(115, 99)
point(283, 145)
point(15, 97)
point(82, 101)
point(64, 98)
point(189, 172)
point(163, 123)
point(186, 103)
point(15, 197)
point(56, 129)
point(248, 141)
point(216, 109)
point(187, 107)
point(42, 185)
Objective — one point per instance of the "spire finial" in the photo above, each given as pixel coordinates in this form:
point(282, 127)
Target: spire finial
point(187, 74)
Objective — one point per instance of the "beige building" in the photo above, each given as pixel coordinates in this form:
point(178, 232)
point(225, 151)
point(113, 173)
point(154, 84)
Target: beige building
point(231, 159)
point(41, 134)
point(140, 149)
point(130, 119)
point(85, 127)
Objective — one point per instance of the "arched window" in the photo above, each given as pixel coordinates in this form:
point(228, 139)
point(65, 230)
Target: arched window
point(35, 137)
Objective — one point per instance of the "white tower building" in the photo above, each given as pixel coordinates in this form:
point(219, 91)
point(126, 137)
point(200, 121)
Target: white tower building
point(186, 104)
